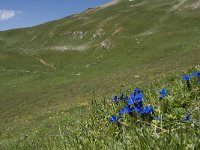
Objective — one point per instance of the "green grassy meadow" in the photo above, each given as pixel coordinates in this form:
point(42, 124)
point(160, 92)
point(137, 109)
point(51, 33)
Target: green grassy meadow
point(51, 73)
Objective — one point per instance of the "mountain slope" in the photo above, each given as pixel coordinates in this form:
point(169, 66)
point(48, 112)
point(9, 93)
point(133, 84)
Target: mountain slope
point(131, 36)
point(129, 29)
point(60, 64)
point(125, 21)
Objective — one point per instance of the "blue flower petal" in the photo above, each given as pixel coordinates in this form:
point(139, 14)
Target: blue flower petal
point(115, 99)
point(137, 110)
point(147, 110)
point(127, 109)
point(137, 91)
point(163, 93)
point(196, 74)
point(186, 77)
point(129, 101)
point(138, 105)
point(114, 119)
point(187, 118)
point(121, 112)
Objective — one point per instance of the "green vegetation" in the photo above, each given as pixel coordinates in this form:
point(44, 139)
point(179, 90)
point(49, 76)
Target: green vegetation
point(71, 132)
point(50, 73)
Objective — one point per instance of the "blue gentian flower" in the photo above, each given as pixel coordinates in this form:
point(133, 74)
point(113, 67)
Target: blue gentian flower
point(126, 110)
point(136, 97)
point(132, 96)
point(129, 101)
point(121, 112)
point(186, 77)
point(115, 119)
point(163, 93)
point(139, 97)
point(138, 105)
point(187, 118)
point(147, 110)
point(115, 99)
point(137, 91)
point(137, 109)
point(196, 74)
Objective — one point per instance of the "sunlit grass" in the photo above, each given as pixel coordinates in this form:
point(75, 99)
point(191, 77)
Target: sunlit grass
point(45, 107)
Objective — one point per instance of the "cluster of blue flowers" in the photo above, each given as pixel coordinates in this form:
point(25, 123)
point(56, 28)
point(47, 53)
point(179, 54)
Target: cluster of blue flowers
point(187, 78)
point(163, 93)
point(194, 75)
point(134, 104)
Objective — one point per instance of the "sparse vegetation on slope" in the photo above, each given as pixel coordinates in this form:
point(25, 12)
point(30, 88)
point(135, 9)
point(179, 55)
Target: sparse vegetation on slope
point(171, 122)
point(60, 66)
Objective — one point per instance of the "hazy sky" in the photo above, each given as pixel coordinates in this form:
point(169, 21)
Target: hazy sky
point(26, 13)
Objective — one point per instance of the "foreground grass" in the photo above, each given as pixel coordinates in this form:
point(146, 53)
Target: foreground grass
point(89, 128)
point(37, 98)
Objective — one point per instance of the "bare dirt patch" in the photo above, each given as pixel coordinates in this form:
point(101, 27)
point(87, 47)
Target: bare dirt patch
point(110, 3)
